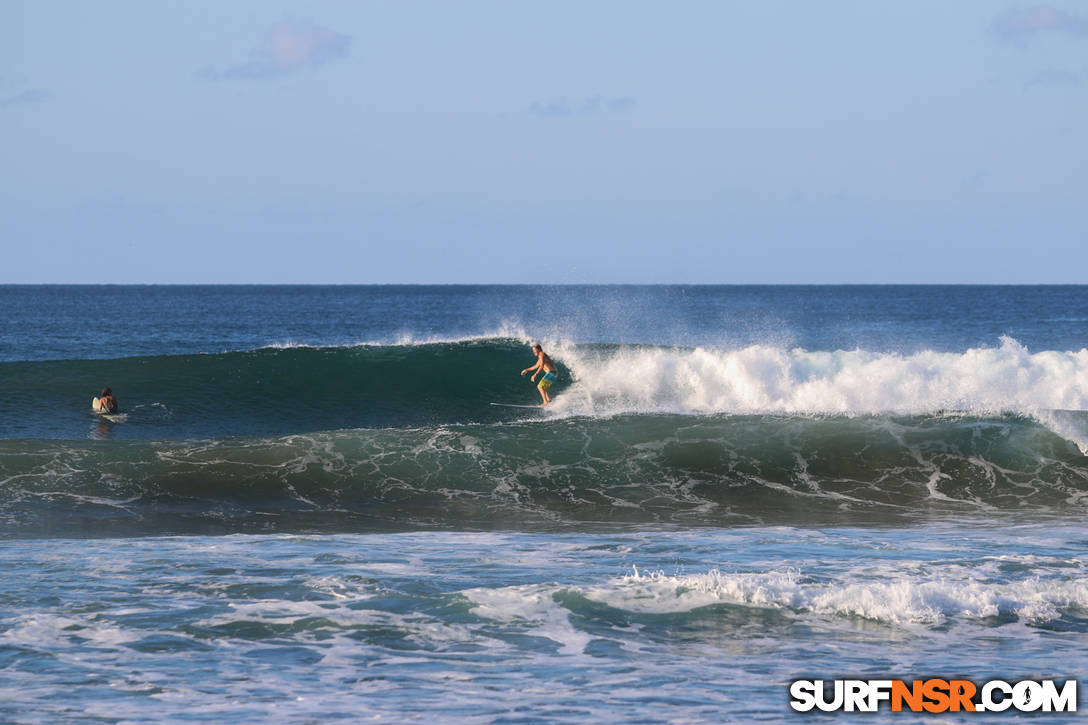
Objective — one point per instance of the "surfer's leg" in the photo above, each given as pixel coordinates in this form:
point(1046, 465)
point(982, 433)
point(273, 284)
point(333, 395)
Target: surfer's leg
point(543, 385)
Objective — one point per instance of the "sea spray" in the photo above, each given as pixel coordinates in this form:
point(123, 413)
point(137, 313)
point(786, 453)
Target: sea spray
point(279, 391)
point(760, 379)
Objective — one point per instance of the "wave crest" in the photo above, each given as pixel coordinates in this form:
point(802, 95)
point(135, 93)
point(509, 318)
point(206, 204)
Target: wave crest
point(761, 379)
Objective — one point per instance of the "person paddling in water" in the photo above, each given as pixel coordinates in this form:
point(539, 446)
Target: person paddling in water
point(106, 402)
point(544, 365)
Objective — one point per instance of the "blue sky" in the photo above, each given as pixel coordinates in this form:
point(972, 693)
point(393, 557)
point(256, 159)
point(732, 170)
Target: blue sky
point(561, 142)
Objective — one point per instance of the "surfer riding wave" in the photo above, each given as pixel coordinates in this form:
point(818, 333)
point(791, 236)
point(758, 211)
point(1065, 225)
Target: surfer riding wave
point(543, 364)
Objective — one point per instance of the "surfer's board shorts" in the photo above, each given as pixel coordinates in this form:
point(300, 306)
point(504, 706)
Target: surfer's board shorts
point(546, 381)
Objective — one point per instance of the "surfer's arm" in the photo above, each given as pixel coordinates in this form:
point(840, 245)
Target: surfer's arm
point(539, 364)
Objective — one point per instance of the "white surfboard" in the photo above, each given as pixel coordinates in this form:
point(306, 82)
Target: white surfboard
point(511, 405)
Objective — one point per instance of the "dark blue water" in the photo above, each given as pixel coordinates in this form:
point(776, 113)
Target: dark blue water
point(309, 511)
point(62, 322)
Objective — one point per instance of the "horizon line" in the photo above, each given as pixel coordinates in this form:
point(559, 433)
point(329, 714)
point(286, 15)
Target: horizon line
point(543, 284)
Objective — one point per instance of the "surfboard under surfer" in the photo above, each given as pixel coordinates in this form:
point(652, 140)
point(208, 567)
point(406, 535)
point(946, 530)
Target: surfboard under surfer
point(543, 364)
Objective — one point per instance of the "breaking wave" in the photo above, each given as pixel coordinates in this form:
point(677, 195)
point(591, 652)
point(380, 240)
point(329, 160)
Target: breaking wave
point(554, 474)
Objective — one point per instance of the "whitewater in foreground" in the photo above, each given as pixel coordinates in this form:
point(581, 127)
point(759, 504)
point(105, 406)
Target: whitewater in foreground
point(310, 511)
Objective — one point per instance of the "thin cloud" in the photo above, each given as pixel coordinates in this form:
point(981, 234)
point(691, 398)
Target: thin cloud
point(1019, 24)
point(23, 98)
point(977, 180)
point(591, 106)
point(1055, 78)
point(285, 49)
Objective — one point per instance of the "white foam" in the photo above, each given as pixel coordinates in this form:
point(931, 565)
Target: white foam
point(897, 596)
point(505, 332)
point(533, 604)
point(54, 632)
point(340, 615)
point(761, 379)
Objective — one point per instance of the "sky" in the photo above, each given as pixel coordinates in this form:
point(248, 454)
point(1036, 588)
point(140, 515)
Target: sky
point(769, 141)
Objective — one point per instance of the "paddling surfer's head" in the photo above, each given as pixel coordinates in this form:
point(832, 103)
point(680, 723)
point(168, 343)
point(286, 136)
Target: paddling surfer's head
point(106, 391)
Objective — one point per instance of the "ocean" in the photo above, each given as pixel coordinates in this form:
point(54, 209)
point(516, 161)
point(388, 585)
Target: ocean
point(309, 511)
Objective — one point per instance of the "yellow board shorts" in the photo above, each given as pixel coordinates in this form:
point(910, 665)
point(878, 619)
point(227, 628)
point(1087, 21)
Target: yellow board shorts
point(546, 381)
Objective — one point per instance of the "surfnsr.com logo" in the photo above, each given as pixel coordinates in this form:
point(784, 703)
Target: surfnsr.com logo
point(933, 695)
